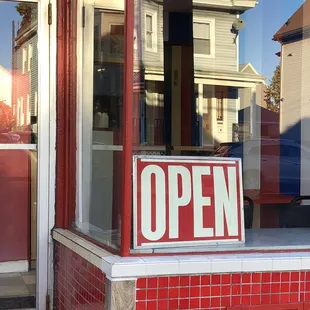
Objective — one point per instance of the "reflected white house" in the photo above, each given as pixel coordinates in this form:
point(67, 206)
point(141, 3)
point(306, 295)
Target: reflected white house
point(5, 86)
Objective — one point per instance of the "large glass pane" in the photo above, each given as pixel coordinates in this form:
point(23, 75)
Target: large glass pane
point(18, 131)
point(232, 81)
point(101, 162)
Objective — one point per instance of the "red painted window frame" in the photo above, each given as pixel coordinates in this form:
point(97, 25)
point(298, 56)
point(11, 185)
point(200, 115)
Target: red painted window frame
point(66, 134)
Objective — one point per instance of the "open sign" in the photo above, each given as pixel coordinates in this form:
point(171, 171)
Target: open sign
point(183, 201)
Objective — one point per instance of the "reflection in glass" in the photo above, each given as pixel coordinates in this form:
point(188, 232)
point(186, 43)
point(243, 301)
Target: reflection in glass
point(229, 82)
point(100, 217)
point(18, 129)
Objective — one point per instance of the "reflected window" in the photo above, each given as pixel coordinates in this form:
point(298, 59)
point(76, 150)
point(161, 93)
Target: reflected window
point(150, 31)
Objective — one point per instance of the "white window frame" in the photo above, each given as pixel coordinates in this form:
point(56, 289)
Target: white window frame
point(24, 60)
point(30, 56)
point(211, 22)
point(153, 14)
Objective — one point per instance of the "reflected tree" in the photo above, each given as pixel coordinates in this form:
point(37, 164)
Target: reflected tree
point(7, 119)
point(273, 92)
point(27, 11)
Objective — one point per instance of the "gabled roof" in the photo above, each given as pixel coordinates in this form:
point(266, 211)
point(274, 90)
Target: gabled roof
point(296, 23)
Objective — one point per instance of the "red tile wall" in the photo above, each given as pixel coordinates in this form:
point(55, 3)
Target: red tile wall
point(221, 291)
point(79, 284)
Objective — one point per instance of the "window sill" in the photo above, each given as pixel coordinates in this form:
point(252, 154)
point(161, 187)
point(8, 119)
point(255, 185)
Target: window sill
point(116, 267)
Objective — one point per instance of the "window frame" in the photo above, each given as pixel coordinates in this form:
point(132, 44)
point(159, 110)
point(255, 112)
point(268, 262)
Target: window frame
point(153, 14)
point(211, 22)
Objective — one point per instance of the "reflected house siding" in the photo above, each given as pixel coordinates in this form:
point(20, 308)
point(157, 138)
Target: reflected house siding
point(225, 49)
point(25, 77)
point(5, 86)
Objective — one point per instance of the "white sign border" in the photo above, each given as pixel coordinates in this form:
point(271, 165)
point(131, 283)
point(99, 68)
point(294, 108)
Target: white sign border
point(182, 244)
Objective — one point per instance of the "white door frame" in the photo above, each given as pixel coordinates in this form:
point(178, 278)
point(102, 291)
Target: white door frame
point(46, 159)
point(46, 151)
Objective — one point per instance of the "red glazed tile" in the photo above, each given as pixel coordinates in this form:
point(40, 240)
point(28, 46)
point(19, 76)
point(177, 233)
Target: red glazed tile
point(141, 305)
point(236, 300)
point(226, 290)
point(225, 301)
point(173, 293)
point(194, 291)
point(206, 280)
point(255, 299)
point(184, 292)
point(151, 294)
point(294, 287)
point(266, 277)
point(285, 277)
point(215, 291)
point(295, 276)
point(151, 305)
point(184, 281)
point(215, 279)
point(245, 300)
point(205, 302)
point(174, 281)
point(152, 283)
point(275, 277)
point(294, 297)
point(302, 276)
point(163, 282)
point(266, 299)
point(141, 294)
point(194, 303)
point(184, 304)
point(275, 288)
point(205, 291)
point(195, 280)
point(236, 290)
point(226, 279)
point(266, 288)
point(285, 287)
point(275, 298)
point(215, 302)
point(246, 278)
point(141, 283)
point(173, 304)
point(284, 298)
point(236, 278)
point(163, 293)
point(307, 286)
point(307, 296)
point(256, 278)
point(163, 305)
point(302, 297)
point(302, 286)
point(256, 289)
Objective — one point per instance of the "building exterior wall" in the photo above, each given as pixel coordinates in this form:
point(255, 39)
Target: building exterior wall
point(79, 284)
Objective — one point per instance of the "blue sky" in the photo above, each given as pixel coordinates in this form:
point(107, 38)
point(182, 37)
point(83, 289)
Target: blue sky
point(7, 14)
point(256, 45)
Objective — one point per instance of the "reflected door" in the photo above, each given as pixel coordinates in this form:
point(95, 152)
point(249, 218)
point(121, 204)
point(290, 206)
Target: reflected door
point(18, 130)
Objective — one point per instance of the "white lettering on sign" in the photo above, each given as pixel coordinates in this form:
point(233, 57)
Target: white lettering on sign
point(200, 202)
point(186, 186)
point(174, 200)
point(146, 201)
point(225, 201)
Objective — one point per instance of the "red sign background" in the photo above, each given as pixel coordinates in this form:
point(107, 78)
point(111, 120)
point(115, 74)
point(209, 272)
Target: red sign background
point(185, 220)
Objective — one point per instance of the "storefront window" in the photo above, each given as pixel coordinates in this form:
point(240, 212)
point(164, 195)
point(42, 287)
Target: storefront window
point(102, 126)
point(249, 100)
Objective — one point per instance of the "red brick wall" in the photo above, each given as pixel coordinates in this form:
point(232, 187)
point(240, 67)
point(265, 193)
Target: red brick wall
point(79, 285)
point(219, 292)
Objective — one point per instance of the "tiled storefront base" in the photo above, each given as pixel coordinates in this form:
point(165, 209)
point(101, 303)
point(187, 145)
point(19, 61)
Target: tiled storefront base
point(79, 284)
point(223, 291)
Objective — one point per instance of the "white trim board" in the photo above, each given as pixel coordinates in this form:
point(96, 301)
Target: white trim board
point(116, 267)
point(14, 266)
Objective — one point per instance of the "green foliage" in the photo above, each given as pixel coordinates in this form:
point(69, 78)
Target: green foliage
point(7, 119)
point(27, 11)
point(273, 92)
